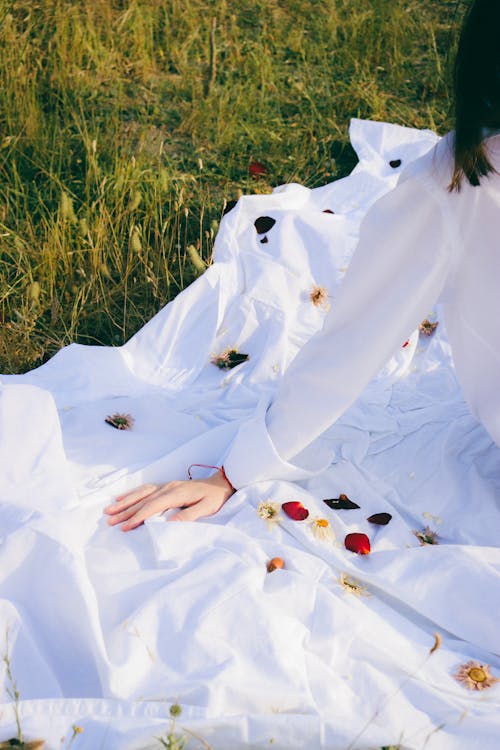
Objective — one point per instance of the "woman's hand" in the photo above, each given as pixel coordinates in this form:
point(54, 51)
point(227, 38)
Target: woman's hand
point(197, 498)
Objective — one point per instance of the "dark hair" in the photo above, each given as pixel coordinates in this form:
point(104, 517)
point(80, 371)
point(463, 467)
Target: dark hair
point(477, 91)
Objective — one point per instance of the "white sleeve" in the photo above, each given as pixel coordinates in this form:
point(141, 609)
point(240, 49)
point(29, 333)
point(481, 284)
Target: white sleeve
point(396, 275)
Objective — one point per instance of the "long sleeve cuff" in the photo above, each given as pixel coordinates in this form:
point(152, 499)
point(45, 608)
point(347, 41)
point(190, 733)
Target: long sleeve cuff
point(253, 457)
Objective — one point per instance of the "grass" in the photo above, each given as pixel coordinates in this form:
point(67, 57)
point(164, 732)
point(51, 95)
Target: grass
point(125, 126)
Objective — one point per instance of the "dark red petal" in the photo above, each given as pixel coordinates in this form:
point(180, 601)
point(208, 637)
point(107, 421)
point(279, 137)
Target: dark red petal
point(406, 343)
point(328, 211)
point(263, 224)
point(358, 543)
point(342, 502)
point(381, 519)
point(295, 510)
point(257, 169)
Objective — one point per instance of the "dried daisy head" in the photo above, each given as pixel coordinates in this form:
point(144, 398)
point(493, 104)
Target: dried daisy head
point(269, 512)
point(427, 536)
point(352, 586)
point(322, 529)
point(319, 297)
point(120, 421)
point(427, 328)
point(229, 358)
point(475, 676)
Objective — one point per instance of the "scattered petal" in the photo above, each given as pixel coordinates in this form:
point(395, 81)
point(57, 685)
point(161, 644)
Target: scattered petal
point(406, 343)
point(264, 241)
point(381, 519)
point(269, 512)
point(264, 224)
point(277, 563)
point(229, 358)
point(427, 328)
point(341, 503)
point(319, 297)
point(257, 169)
point(395, 163)
point(475, 676)
point(437, 643)
point(295, 510)
point(427, 536)
point(328, 211)
point(120, 421)
point(352, 586)
point(358, 543)
point(322, 529)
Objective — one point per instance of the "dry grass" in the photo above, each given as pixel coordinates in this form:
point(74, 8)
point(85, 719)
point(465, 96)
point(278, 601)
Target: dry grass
point(125, 125)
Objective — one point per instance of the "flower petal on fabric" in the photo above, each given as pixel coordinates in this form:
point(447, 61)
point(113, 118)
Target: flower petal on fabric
point(358, 543)
point(263, 224)
point(342, 502)
point(295, 510)
point(381, 519)
point(276, 563)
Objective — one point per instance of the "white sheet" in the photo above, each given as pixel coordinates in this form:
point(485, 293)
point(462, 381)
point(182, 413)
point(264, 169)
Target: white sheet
point(106, 629)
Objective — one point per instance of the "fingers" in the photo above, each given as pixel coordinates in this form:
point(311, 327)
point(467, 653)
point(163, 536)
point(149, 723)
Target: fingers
point(132, 512)
point(130, 498)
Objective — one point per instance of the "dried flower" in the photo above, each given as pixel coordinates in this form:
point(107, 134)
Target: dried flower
point(475, 676)
point(269, 512)
point(358, 543)
point(229, 358)
point(352, 586)
point(277, 563)
point(319, 297)
point(427, 536)
point(321, 529)
point(342, 502)
point(427, 328)
point(295, 510)
point(120, 421)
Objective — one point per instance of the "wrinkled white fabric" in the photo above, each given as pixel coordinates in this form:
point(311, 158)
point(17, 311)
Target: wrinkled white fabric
point(418, 243)
point(106, 629)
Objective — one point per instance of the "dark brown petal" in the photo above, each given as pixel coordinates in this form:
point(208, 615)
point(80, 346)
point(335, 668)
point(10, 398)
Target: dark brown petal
point(395, 163)
point(342, 502)
point(381, 519)
point(263, 224)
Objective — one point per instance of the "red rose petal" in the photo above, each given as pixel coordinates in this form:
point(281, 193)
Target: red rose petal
point(257, 169)
point(295, 510)
point(381, 519)
point(358, 543)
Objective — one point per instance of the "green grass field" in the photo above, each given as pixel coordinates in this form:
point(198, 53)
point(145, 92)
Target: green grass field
point(125, 126)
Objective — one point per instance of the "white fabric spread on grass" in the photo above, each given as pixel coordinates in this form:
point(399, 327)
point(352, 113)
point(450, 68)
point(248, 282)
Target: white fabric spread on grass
point(107, 629)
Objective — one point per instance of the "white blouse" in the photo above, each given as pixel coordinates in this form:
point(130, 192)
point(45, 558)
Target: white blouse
point(418, 244)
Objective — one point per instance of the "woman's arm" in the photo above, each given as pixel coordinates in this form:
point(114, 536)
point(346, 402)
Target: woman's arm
point(395, 276)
